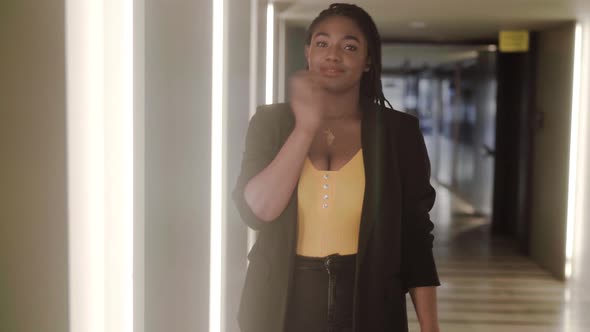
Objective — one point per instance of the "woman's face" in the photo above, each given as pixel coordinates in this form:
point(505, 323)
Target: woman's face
point(338, 52)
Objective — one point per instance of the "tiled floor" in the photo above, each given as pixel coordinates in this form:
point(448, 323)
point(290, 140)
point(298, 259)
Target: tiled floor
point(488, 286)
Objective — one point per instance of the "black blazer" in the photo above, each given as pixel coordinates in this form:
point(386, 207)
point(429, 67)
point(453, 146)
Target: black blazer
point(395, 241)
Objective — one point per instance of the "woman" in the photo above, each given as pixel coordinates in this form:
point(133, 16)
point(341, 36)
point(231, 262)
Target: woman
point(338, 187)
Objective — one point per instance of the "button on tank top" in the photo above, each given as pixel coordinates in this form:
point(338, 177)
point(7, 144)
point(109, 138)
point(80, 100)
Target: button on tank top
point(329, 208)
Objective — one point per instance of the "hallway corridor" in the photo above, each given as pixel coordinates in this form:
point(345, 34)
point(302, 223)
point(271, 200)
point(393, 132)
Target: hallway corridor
point(487, 285)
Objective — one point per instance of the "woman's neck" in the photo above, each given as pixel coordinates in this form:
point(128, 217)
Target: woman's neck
point(342, 106)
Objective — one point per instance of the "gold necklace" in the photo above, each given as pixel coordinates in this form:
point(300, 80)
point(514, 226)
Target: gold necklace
point(329, 136)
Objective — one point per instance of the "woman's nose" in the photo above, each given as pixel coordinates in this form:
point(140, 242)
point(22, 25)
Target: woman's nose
point(333, 53)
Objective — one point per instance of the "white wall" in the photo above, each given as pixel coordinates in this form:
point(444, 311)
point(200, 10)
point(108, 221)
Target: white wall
point(178, 161)
point(551, 148)
point(238, 101)
point(177, 164)
point(33, 178)
point(172, 82)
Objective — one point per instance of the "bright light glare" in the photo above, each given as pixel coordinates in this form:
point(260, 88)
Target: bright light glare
point(118, 177)
point(270, 36)
point(253, 55)
point(217, 181)
point(580, 252)
point(86, 188)
point(123, 183)
point(253, 84)
point(100, 164)
point(573, 204)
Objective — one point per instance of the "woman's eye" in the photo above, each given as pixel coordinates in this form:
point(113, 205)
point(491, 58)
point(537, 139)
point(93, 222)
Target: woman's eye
point(350, 47)
point(321, 44)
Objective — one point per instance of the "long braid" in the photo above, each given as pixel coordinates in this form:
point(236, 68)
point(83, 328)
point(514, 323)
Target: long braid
point(371, 88)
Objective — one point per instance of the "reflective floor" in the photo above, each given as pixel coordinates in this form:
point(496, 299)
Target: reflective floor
point(488, 286)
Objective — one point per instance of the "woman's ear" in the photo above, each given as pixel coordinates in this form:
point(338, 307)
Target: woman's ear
point(368, 65)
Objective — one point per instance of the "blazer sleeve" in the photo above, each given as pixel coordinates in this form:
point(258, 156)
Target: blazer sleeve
point(418, 266)
point(258, 153)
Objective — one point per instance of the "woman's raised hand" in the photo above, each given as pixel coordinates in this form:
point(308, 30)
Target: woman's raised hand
point(307, 100)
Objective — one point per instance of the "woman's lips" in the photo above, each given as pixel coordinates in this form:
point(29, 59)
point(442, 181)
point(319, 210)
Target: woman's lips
point(331, 71)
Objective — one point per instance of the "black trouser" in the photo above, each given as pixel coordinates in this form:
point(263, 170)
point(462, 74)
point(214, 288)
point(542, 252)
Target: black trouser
point(321, 299)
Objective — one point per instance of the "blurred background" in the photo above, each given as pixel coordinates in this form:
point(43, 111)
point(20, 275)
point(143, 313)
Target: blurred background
point(121, 131)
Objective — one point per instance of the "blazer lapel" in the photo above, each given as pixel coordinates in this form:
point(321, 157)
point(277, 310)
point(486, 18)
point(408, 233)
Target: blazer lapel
point(373, 145)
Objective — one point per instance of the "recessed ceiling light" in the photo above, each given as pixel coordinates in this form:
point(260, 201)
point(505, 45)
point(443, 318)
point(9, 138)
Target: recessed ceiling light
point(418, 24)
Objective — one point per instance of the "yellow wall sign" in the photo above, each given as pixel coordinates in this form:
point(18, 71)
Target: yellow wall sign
point(514, 41)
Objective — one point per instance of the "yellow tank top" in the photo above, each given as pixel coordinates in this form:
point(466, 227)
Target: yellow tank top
point(329, 208)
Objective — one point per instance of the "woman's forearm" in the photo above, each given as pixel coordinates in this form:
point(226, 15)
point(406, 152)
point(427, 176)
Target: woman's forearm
point(424, 299)
point(268, 193)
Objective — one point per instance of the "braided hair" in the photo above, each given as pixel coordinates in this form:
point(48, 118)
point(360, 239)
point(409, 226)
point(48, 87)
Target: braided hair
point(371, 89)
